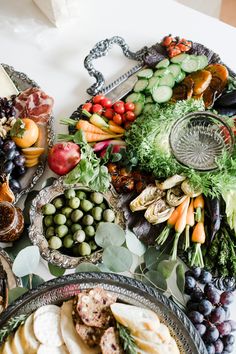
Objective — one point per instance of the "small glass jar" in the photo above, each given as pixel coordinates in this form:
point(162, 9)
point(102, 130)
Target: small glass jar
point(11, 222)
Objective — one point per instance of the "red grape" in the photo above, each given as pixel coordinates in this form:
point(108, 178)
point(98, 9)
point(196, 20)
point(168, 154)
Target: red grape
point(213, 296)
point(217, 315)
point(224, 328)
point(219, 346)
point(226, 298)
point(196, 317)
point(211, 335)
point(190, 282)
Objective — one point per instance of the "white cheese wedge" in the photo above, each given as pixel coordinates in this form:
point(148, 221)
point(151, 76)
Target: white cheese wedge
point(29, 340)
point(7, 87)
point(45, 349)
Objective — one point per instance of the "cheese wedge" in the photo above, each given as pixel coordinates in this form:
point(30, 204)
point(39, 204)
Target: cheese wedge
point(29, 341)
point(45, 349)
point(72, 340)
point(154, 348)
point(135, 318)
point(17, 344)
point(7, 87)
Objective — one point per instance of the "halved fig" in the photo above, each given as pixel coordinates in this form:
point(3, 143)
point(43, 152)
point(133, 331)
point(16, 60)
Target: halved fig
point(201, 79)
point(184, 90)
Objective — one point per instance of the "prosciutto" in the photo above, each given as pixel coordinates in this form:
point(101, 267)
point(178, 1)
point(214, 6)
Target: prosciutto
point(35, 104)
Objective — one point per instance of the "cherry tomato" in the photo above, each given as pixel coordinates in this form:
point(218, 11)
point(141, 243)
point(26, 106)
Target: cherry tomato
point(87, 106)
point(109, 113)
point(98, 98)
point(119, 107)
point(117, 119)
point(97, 108)
point(106, 102)
point(130, 116)
point(123, 118)
point(129, 106)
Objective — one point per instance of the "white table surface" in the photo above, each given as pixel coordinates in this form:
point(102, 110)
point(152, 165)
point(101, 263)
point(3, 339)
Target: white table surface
point(53, 57)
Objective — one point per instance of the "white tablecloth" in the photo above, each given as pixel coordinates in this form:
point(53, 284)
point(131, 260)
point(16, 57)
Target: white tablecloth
point(53, 57)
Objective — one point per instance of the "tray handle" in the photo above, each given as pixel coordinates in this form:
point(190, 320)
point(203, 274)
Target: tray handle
point(101, 49)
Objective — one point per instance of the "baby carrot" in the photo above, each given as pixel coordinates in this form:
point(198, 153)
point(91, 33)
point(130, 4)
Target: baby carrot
point(113, 127)
point(88, 127)
point(198, 237)
point(189, 223)
point(93, 137)
point(198, 204)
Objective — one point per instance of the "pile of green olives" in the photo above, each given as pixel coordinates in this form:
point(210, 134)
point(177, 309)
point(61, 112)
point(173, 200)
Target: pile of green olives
point(70, 221)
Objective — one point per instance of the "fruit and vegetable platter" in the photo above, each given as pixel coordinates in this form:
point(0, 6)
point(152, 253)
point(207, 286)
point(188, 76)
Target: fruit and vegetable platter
point(145, 185)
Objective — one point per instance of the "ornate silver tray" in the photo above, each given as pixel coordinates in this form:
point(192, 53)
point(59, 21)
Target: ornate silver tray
point(128, 290)
point(28, 181)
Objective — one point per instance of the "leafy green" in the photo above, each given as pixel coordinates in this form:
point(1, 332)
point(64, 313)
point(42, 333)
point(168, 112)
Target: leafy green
point(127, 340)
point(231, 84)
point(87, 267)
point(117, 259)
point(18, 129)
point(134, 244)
point(109, 234)
point(166, 267)
point(89, 170)
point(16, 292)
point(180, 277)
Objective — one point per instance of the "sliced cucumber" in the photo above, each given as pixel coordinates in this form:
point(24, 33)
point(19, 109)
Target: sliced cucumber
point(135, 97)
point(161, 72)
point(148, 108)
point(175, 70)
point(152, 82)
point(163, 64)
point(162, 94)
point(138, 108)
point(190, 65)
point(140, 85)
point(180, 77)
point(167, 80)
point(178, 59)
point(148, 100)
point(145, 73)
point(202, 61)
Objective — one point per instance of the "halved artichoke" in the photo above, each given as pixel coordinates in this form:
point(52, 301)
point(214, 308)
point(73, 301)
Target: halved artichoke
point(170, 182)
point(147, 197)
point(175, 196)
point(189, 190)
point(158, 212)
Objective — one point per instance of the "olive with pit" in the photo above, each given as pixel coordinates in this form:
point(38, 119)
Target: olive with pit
point(87, 220)
point(76, 227)
point(48, 220)
point(68, 241)
point(59, 219)
point(86, 205)
point(66, 211)
point(48, 209)
point(89, 231)
point(84, 249)
point(61, 230)
point(58, 203)
point(93, 245)
point(96, 198)
point(76, 215)
point(74, 203)
point(108, 215)
point(55, 242)
point(69, 222)
point(103, 206)
point(69, 193)
point(50, 232)
point(79, 236)
point(81, 195)
point(97, 213)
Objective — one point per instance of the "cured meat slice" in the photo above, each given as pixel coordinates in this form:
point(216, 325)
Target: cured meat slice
point(35, 104)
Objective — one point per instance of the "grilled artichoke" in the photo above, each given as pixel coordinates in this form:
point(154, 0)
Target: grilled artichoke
point(189, 190)
point(175, 196)
point(158, 212)
point(150, 194)
point(170, 182)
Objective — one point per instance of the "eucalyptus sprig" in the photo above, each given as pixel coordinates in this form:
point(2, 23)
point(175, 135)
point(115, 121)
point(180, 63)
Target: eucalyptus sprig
point(12, 324)
point(127, 340)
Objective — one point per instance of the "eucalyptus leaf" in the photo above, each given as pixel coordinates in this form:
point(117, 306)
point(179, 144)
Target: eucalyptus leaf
point(150, 257)
point(26, 262)
point(103, 268)
point(109, 234)
point(87, 267)
point(134, 245)
point(155, 279)
point(166, 267)
point(31, 281)
point(139, 272)
point(180, 277)
point(14, 293)
point(55, 270)
point(117, 259)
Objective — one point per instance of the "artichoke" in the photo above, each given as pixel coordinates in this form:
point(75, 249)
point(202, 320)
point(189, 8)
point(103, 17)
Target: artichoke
point(189, 190)
point(175, 196)
point(158, 212)
point(170, 182)
point(150, 194)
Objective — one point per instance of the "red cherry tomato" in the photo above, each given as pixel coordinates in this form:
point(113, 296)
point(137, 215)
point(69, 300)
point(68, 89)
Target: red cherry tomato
point(97, 108)
point(129, 106)
point(98, 98)
point(130, 116)
point(87, 106)
point(117, 119)
point(119, 107)
point(109, 113)
point(106, 102)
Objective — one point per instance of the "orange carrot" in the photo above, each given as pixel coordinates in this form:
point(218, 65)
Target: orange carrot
point(88, 127)
point(198, 204)
point(93, 137)
point(189, 223)
point(113, 127)
point(198, 237)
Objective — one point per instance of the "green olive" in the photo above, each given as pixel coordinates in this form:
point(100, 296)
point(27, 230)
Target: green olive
point(89, 231)
point(68, 241)
point(87, 220)
point(97, 213)
point(103, 206)
point(48, 209)
point(96, 197)
point(81, 195)
point(93, 245)
point(75, 227)
point(84, 249)
point(74, 203)
point(86, 205)
point(50, 232)
point(108, 215)
point(61, 230)
point(58, 202)
point(59, 219)
point(55, 242)
point(48, 220)
point(79, 236)
point(76, 215)
point(69, 222)
point(66, 211)
point(69, 193)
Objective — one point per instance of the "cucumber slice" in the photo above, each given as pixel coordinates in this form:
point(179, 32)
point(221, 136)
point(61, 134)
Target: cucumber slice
point(161, 72)
point(175, 70)
point(148, 100)
point(138, 108)
point(152, 82)
point(134, 97)
point(202, 61)
point(162, 94)
point(180, 77)
point(148, 107)
point(145, 73)
point(163, 64)
point(178, 59)
point(140, 85)
point(190, 65)
point(167, 80)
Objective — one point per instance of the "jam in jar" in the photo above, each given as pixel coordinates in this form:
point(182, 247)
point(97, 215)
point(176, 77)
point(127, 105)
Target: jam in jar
point(11, 222)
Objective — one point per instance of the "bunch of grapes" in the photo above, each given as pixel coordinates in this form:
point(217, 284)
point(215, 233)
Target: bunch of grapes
point(11, 163)
point(208, 310)
point(7, 107)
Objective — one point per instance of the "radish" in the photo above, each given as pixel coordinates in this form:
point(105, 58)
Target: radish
point(104, 144)
point(63, 157)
